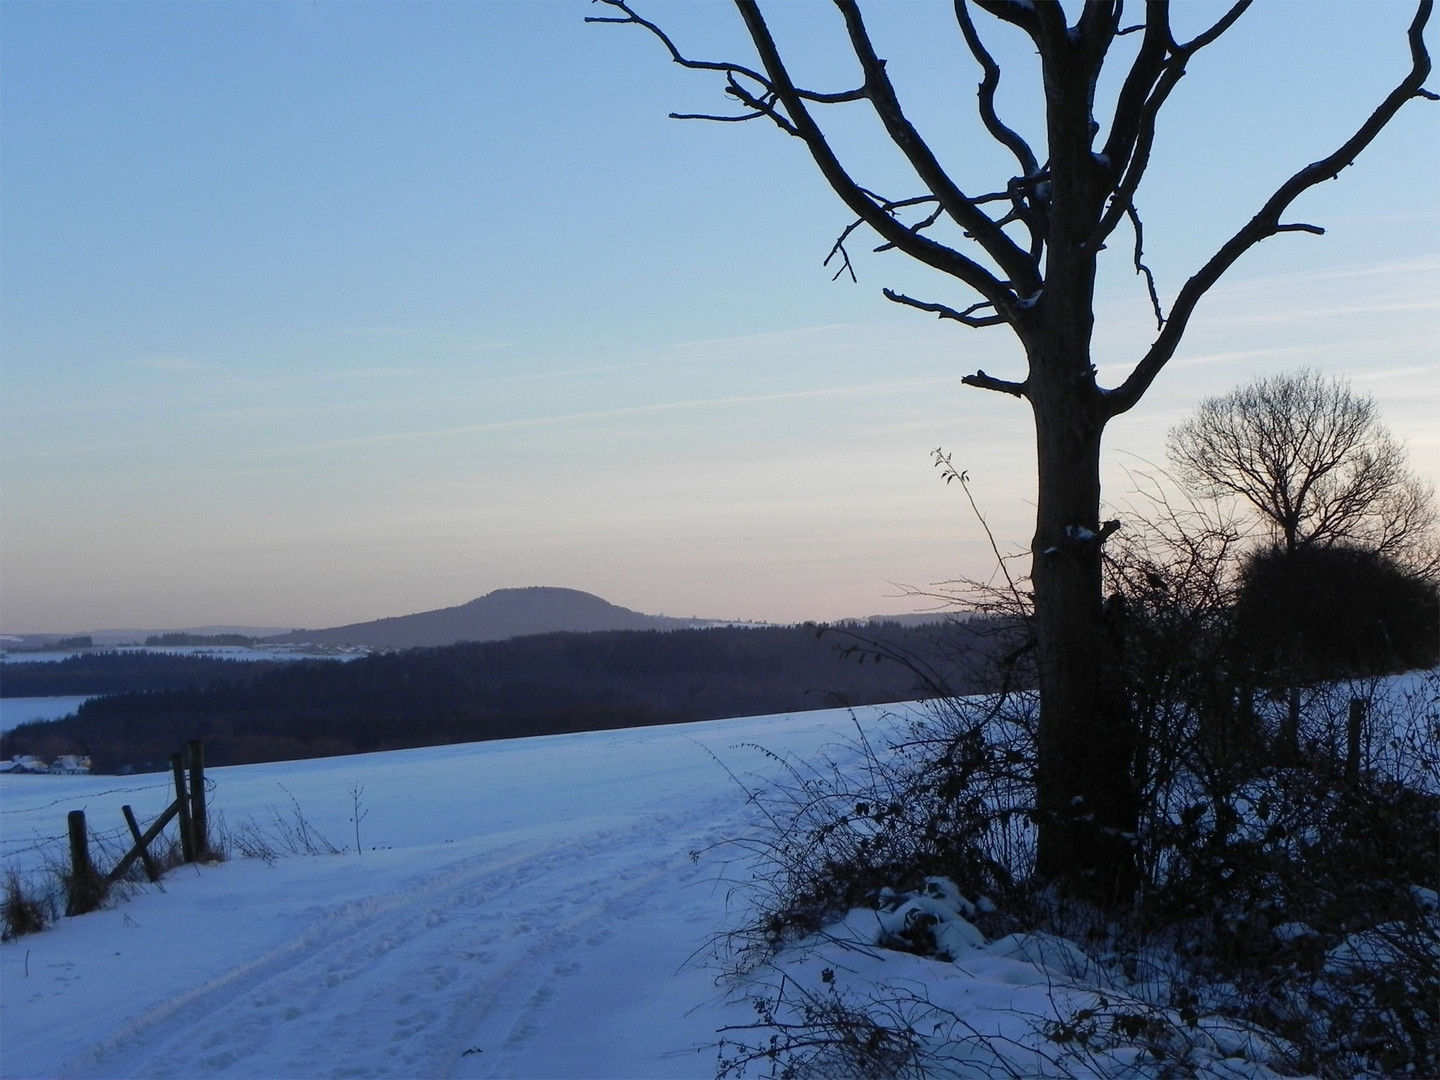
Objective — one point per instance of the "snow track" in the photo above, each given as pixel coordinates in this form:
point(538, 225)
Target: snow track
point(549, 933)
point(464, 965)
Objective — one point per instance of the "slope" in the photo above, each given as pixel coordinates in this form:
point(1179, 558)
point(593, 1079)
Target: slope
point(526, 908)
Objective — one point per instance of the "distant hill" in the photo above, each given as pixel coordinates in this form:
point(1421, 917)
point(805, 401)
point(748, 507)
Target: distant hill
point(110, 638)
point(504, 613)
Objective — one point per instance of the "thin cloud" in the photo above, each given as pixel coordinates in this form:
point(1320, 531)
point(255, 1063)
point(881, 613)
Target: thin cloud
point(1413, 268)
point(174, 365)
point(469, 343)
point(629, 410)
point(772, 335)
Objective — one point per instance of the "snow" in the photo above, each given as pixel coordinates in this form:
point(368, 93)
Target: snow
point(17, 711)
point(546, 907)
point(520, 908)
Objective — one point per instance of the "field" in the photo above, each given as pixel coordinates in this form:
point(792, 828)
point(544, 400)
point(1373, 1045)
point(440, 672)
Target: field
point(519, 908)
point(545, 907)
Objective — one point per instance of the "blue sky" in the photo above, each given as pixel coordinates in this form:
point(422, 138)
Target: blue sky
point(314, 313)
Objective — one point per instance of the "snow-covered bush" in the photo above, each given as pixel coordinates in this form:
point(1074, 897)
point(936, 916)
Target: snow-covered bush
point(1284, 836)
point(1284, 923)
point(947, 798)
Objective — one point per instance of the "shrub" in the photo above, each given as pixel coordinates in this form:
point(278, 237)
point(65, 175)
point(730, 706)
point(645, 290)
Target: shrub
point(1321, 613)
point(1287, 911)
point(22, 911)
point(948, 798)
point(1287, 904)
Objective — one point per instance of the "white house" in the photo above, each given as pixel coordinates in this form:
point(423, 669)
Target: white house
point(24, 763)
point(70, 764)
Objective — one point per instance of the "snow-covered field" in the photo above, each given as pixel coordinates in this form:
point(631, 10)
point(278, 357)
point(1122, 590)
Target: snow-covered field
point(23, 710)
point(520, 908)
point(17, 711)
point(532, 908)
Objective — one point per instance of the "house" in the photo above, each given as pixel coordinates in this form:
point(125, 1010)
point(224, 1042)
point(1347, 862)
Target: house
point(23, 763)
point(70, 765)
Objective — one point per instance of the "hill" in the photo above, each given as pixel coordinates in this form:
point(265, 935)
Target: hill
point(504, 613)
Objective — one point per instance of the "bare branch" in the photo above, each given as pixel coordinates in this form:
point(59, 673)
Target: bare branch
point(924, 223)
point(989, 82)
point(630, 17)
point(889, 206)
point(716, 118)
point(1017, 264)
point(845, 264)
point(1035, 19)
point(1099, 22)
point(916, 245)
point(1027, 207)
point(765, 105)
point(968, 316)
point(1266, 223)
point(1145, 72)
point(1199, 41)
point(1011, 11)
point(774, 94)
point(948, 470)
point(1141, 268)
point(1148, 85)
point(1003, 386)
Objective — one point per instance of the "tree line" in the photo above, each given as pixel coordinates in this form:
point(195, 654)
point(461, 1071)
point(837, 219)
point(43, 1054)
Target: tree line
point(118, 672)
point(534, 685)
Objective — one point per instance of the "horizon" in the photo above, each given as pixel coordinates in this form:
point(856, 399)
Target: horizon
point(321, 314)
point(222, 628)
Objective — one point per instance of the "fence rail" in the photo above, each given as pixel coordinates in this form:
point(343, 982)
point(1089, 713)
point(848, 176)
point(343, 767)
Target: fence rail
point(86, 887)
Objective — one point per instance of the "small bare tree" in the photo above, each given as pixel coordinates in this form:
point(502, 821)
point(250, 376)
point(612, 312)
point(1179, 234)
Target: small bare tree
point(1028, 245)
point(1313, 462)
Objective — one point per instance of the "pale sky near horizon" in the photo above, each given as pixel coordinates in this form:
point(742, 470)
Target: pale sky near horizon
point(318, 313)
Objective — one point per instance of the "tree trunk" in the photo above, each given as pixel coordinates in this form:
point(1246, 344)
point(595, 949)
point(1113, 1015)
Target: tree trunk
point(1086, 799)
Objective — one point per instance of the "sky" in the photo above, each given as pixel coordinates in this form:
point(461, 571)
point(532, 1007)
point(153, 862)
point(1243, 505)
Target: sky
point(315, 313)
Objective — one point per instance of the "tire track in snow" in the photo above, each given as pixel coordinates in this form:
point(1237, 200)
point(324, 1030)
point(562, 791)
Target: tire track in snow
point(399, 984)
point(511, 999)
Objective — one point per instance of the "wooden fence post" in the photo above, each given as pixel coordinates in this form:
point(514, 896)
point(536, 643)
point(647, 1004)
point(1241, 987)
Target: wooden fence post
point(198, 821)
point(86, 889)
point(143, 844)
point(187, 834)
point(151, 870)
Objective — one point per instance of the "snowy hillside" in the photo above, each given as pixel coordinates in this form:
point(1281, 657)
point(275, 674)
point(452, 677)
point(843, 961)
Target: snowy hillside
point(539, 907)
point(521, 908)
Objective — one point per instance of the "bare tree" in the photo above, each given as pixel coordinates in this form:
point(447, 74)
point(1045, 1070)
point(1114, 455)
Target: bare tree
point(1027, 246)
point(1313, 462)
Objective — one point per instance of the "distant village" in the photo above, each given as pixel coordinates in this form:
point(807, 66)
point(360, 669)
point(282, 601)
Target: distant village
point(64, 765)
